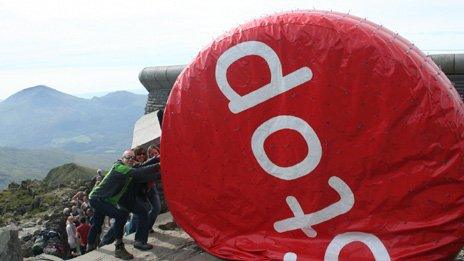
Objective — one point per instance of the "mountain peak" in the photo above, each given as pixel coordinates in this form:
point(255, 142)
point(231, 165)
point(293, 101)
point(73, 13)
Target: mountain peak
point(40, 94)
point(38, 89)
point(121, 99)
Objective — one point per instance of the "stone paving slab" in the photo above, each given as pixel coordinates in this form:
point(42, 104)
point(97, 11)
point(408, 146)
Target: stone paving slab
point(168, 245)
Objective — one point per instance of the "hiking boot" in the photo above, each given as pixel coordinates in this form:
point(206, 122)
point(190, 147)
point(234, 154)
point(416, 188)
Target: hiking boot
point(143, 246)
point(121, 252)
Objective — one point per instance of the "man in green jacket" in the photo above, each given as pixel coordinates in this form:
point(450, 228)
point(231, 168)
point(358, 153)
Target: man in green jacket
point(105, 196)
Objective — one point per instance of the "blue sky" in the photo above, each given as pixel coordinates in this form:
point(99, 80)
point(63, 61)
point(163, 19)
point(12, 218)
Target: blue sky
point(98, 46)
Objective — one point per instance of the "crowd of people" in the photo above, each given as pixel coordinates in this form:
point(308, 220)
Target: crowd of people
point(126, 197)
point(78, 217)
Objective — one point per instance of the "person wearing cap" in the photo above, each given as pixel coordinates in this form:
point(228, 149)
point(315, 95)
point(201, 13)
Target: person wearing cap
point(105, 196)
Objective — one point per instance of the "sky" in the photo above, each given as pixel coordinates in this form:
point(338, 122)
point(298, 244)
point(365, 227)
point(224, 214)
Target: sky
point(82, 47)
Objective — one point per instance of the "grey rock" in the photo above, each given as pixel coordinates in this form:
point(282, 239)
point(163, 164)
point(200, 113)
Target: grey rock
point(28, 224)
point(43, 257)
point(26, 248)
point(36, 232)
point(26, 237)
point(57, 223)
point(10, 246)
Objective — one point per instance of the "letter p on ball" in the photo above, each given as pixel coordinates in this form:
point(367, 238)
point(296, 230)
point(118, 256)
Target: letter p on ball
point(278, 85)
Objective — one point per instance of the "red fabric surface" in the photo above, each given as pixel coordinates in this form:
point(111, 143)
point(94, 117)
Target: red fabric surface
point(389, 125)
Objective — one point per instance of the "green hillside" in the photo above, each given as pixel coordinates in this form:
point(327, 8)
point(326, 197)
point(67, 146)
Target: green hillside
point(20, 164)
point(69, 173)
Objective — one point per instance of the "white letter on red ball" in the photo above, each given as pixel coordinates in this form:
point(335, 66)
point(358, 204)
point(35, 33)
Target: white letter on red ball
point(376, 246)
point(281, 122)
point(279, 83)
point(306, 221)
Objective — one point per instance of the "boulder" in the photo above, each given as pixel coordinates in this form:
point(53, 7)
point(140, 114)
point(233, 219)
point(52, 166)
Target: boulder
point(10, 246)
point(57, 223)
point(26, 248)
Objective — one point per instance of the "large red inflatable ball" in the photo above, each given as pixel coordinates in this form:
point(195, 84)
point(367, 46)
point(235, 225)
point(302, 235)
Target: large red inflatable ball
point(315, 135)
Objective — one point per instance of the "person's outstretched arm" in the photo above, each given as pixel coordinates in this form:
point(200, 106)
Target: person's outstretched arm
point(146, 173)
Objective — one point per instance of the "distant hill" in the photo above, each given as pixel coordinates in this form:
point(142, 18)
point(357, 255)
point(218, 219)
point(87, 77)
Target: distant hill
point(20, 164)
point(89, 95)
point(41, 117)
point(68, 173)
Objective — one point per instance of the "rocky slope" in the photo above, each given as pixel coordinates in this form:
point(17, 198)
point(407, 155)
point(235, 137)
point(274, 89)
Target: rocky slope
point(36, 205)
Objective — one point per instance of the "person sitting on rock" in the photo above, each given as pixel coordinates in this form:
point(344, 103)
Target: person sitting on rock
point(105, 197)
